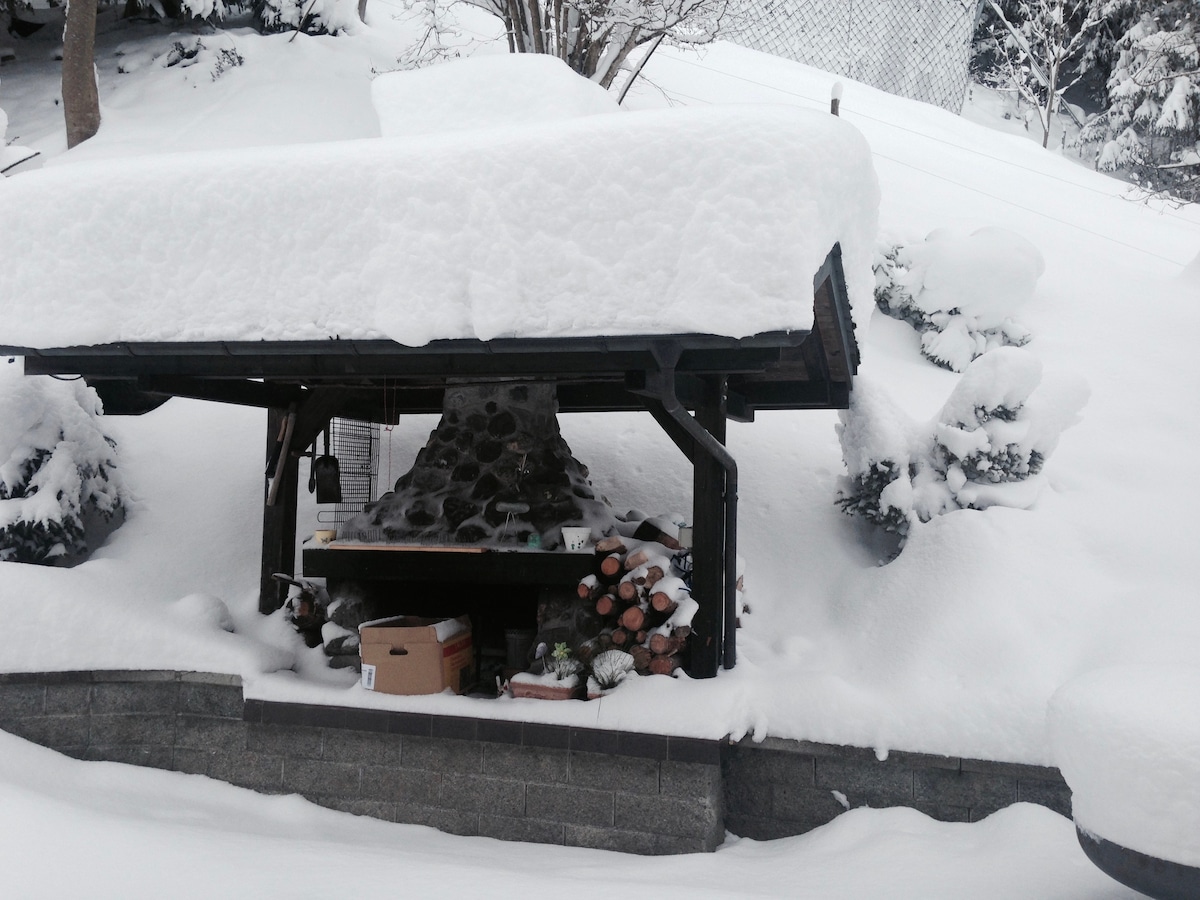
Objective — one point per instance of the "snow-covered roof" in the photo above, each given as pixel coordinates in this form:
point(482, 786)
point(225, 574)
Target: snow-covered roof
point(709, 220)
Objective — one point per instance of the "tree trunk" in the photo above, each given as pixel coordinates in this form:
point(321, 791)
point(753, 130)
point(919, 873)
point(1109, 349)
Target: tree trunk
point(81, 101)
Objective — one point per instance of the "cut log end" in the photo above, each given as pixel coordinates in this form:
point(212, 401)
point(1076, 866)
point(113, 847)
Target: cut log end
point(663, 665)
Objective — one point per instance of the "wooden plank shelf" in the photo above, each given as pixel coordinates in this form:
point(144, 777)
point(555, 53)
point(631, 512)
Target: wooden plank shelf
point(472, 565)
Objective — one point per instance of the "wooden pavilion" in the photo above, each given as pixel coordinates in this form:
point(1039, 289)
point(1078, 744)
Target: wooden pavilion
point(692, 384)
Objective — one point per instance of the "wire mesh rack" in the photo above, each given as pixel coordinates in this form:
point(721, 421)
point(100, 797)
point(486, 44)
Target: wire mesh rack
point(918, 49)
point(356, 446)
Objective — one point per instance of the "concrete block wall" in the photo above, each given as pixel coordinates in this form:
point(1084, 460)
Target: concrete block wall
point(778, 788)
point(638, 793)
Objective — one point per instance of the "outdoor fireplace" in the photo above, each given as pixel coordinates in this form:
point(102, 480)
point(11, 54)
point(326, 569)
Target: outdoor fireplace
point(476, 527)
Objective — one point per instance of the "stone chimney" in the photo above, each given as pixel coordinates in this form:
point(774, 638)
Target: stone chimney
point(496, 471)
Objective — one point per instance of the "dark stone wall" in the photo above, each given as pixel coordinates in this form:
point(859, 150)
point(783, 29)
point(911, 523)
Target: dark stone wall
point(637, 793)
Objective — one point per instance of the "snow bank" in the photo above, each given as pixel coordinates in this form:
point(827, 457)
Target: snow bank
point(509, 91)
point(1127, 739)
point(208, 839)
point(709, 220)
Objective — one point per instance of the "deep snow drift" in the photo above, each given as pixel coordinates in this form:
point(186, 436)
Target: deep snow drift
point(954, 647)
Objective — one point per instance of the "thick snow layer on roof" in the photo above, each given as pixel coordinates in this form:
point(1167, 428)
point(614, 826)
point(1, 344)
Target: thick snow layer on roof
point(695, 220)
point(511, 90)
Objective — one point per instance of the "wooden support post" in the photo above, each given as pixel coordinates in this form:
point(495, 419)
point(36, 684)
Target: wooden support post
point(279, 523)
point(708, 547)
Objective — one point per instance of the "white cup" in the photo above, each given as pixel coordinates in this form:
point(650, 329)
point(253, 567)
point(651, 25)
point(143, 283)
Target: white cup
point(575, 538)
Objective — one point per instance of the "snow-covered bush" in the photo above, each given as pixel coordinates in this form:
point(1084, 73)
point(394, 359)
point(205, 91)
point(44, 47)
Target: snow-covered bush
point(309, 16)
point(876, 439)
point(216, 54)
point(58, 470)
point(960, 291)
point(986, 447)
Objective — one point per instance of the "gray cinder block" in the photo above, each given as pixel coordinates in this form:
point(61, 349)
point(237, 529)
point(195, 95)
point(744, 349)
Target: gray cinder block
point(149, 697)
point(316, 778)
point(569, 804)
point(624, 773)
point(442, 755)
point(540, 765)
point(866, 783)
point(477, 793)
point(412, 786)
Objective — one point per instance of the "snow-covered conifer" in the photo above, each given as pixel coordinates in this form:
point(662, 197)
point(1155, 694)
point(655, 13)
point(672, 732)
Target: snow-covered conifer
point(1151, 128)
point(58, 469)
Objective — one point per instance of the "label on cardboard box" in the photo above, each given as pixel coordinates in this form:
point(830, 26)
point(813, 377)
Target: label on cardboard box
point(368, 677)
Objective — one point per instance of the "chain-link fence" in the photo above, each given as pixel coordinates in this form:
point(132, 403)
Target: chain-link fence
point(914, 48)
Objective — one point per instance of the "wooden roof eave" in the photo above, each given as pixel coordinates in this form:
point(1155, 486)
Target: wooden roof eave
point(773, 370)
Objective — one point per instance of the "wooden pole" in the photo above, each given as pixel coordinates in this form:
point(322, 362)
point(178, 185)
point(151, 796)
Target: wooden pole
point(279, 520)
point(708, 548)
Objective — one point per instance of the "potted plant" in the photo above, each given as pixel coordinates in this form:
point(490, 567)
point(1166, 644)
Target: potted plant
point(558, 680)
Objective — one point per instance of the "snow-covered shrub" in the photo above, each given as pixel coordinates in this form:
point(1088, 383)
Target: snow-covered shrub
point(309, 16)
point(215, 54)
point(58, 469)
point(876, 438)
point(960, 291)
point(986, 447)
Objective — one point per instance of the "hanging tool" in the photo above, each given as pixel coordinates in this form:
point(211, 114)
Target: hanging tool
point(327, 476)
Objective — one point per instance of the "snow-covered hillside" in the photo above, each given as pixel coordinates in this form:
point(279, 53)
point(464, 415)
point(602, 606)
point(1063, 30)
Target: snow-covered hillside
point(954, 647)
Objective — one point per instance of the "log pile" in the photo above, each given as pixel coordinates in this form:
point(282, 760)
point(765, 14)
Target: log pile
point(646, 609)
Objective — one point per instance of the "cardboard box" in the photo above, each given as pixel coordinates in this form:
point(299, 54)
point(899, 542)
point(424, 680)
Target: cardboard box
point(411, 655)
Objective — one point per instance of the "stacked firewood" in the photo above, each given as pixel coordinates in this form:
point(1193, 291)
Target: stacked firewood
point(645, 608)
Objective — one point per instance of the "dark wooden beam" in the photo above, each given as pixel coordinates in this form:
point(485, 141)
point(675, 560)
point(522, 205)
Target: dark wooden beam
point(676, 432)
point(831, 317)
point(241, 393)
point(121, 397)
point(312, 361)
point(709, 549)
point(692, 391)
point(279, 524)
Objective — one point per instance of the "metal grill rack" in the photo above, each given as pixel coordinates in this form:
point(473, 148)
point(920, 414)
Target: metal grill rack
point(356, 446)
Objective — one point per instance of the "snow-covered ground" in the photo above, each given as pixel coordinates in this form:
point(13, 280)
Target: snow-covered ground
point(114, 832)
point(955, 647)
